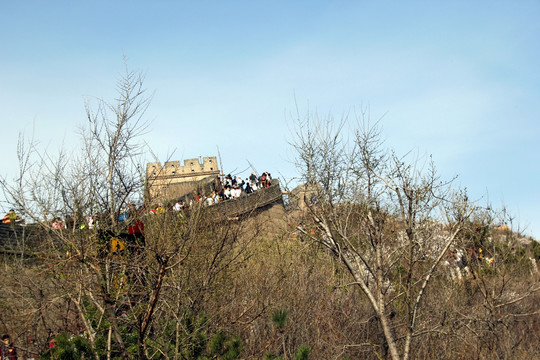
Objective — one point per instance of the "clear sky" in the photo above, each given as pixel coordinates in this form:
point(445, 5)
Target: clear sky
point(456, 79)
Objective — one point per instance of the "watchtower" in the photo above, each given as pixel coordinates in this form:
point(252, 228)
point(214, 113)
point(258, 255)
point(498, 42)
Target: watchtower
point(173, 180)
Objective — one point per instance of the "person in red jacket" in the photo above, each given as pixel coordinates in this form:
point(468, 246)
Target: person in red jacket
point(8, 351)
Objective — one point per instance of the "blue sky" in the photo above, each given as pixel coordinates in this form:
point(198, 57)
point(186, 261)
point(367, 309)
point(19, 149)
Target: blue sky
point(459, 80)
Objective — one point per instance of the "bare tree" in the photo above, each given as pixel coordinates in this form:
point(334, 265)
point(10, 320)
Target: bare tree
point(385, 218)
point(115, 283)
point(112, 150)
point(59, 193)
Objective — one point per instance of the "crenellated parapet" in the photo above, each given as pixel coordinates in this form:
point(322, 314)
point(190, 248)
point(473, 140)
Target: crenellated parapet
point(191, 167)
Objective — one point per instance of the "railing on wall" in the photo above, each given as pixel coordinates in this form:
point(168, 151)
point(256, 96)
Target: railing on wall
point(250, 202)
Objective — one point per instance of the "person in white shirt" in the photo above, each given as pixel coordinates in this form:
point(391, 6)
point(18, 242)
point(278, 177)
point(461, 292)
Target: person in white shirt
point(227, 193)
point(177, 206)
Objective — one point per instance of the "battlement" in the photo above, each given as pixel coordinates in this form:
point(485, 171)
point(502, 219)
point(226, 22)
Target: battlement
point(172, 180)
point(191, 167)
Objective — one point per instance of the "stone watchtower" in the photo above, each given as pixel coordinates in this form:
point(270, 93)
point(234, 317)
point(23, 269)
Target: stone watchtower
point(173, 180)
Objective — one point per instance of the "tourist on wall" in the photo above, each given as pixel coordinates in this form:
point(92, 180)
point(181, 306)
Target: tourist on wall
point(11, 217)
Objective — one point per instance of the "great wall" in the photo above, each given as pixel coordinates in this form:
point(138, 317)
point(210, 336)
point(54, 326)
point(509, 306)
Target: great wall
point(165, 184)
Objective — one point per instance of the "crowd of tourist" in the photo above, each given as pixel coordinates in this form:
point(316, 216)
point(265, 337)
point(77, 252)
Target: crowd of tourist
point(232, 187)
point(226, 188)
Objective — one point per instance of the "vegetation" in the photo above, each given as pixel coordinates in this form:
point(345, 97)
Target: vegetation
point(362, 265)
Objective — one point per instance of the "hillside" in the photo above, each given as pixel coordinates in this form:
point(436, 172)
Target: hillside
point(238, 274)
